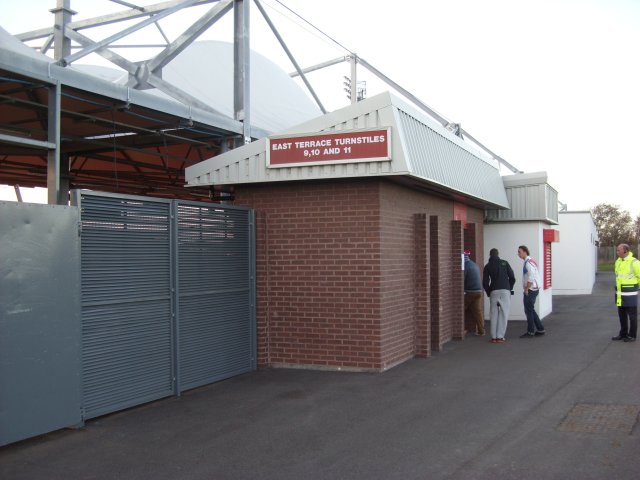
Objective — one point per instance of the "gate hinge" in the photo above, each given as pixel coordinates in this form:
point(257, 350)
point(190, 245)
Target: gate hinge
point(79, 229)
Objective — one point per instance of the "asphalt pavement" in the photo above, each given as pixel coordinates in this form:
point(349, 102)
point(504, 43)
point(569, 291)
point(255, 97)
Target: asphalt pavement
point(561, 406)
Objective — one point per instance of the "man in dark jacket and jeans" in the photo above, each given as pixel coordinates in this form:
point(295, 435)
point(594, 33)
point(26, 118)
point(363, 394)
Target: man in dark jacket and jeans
point(473, 293)
point(498, 280)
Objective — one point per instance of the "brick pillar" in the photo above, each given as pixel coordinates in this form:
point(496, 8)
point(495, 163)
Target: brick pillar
point(262, 290)
point(457, 280)
point(422, 344)
point(434, 284)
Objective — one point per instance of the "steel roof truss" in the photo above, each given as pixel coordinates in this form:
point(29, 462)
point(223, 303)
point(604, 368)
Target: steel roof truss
point(127, 31)
point(140, 74)
point(108, 19)
point(290, 55)
point(189, 36)
point(29, 142)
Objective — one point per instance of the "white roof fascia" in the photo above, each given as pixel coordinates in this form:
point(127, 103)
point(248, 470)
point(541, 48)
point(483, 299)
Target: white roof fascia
point(522, 179)
point(441, 158)
point(247, 164)
point(228, 168)
point(421, 149)
point(402, 105)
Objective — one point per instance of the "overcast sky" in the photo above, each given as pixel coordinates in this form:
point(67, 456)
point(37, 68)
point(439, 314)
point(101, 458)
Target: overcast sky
point(550, 85)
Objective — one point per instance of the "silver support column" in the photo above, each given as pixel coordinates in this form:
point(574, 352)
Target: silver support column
point(55, 194)
point(241, 72)
point(354, 78)
point(62, 44)
point(57, 189)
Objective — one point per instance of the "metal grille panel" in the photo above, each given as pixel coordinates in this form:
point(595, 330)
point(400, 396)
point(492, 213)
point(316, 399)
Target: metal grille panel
point(215, 293)
point(126, 302)
point(168, 297)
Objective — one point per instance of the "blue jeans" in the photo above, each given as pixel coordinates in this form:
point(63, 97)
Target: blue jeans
point(533, 321)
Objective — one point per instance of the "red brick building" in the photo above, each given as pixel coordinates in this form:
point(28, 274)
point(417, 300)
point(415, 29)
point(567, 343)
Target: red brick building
point(362, 216)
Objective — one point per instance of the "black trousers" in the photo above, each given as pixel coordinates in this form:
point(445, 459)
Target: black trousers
point(628, 321)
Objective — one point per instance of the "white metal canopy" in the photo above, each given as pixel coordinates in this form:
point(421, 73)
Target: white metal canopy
point(422, 153)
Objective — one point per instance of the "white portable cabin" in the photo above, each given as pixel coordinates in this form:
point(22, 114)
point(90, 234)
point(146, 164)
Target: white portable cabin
point(533, 213)
point(576, 256)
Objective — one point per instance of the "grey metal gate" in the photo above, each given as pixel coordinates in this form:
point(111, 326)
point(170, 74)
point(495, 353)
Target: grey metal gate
point(167, 297)
point(126, 297)
point(215, 293)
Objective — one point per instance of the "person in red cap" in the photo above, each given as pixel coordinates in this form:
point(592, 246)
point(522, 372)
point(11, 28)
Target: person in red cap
point(473, 293)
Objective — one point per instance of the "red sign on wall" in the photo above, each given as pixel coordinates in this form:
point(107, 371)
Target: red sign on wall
point(335, 147)
point(460, 212)
point(550, 235)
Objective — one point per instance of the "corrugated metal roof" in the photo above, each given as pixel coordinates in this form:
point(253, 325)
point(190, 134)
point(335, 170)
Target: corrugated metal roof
point(530, 197)
point(420, 149)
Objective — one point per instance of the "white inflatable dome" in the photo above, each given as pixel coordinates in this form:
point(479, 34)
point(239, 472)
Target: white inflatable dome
point(205, 71)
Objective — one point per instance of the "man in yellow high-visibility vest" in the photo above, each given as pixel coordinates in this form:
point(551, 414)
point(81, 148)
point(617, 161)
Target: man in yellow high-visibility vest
point(627, 271)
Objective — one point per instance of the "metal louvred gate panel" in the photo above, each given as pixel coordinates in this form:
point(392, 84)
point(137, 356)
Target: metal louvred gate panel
point(127, 328)
point(215, 293)
point(168, 297)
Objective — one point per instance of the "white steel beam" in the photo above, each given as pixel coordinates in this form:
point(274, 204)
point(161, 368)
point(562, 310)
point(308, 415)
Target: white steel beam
point(443, 121)
point(353, 84)
point(142, 76)
point(54, 193)
point(497, 157)
point(63, 13)
point(127, 31)
point(320, 66)
point(289, 54)
point(189, 35)
point(241, 67)
point(27, 142)
point(108, 19)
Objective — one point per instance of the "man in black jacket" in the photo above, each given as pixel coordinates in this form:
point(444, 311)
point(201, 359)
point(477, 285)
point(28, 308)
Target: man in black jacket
point(498, 280)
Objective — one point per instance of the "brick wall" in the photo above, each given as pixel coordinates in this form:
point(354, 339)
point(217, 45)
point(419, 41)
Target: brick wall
point(456, 310)
point(337, 278)
point(399, 205)
point(421, 285)
point(318, 274)
point(435, 242)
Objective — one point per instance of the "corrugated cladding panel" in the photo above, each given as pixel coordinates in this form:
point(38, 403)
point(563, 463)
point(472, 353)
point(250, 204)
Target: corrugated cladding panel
point(421, 149)
point(552, 204)
point(438, 159)
point(536, 201)
point(215, 291)
point(248, 164)
point(126, 302)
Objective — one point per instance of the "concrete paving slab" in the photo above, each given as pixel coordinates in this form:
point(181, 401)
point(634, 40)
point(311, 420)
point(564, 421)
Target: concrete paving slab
point(473, 411)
